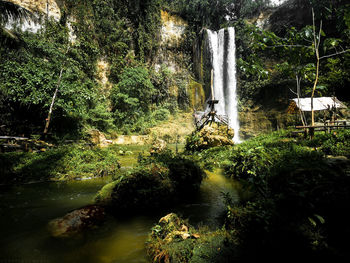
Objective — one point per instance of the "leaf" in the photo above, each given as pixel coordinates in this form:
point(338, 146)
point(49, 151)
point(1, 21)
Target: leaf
point(308, 32)
point(320, 218)
point(312, 221)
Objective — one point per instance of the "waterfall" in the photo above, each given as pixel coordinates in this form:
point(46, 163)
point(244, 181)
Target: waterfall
point(223, 50)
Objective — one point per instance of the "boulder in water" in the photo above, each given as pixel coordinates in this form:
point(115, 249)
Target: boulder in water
point(159, 146)
point(171, 227)
point(77, 221)
point(210, 136)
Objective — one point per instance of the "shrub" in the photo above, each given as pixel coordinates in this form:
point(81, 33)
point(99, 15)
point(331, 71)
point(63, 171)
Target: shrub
point(161, 114)
point(133, 94)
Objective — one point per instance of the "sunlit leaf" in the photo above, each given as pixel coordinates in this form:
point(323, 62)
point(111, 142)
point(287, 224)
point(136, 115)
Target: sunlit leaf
point(320, 218)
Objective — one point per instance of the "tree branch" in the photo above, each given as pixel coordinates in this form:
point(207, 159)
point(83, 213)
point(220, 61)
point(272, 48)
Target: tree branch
point(288, 46)
point(335, 54)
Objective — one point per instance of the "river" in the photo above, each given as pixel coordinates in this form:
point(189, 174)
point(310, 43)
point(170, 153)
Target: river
point(25, 211)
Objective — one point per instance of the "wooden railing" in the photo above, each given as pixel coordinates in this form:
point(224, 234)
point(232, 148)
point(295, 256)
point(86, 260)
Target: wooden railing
point(327, 127)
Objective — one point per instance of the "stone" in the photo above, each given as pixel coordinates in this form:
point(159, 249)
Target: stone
point(76, 221)
point(174, 227)
point(210, 136)
point(158, 146)
point(41, 6)
point(99, 139)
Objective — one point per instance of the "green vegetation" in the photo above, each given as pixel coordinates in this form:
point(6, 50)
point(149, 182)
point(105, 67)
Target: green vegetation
point(122, 33)
point(60, 163)
point(215, 14)
point(298, 191)
point(29, 77)
point(297, 196)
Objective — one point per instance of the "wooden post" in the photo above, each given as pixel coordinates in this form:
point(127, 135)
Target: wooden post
point(212, 84)
point(177, 141)
point(311, 132)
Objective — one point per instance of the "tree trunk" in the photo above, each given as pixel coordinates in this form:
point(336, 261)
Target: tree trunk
point(53, 102)
point(302, 116)
point(313, 90)
point(316, 43)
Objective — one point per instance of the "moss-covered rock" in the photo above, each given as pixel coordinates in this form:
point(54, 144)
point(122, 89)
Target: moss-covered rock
point(175, 240)
point(145, 188)
point(77, 221)
point(158, 146)
point(210, 136)
point(197, 95)
point(158, 181)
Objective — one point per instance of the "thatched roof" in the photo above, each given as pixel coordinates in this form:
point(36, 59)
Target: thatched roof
point(320, 103)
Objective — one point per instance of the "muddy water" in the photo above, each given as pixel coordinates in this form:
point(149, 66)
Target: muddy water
point(25, 211)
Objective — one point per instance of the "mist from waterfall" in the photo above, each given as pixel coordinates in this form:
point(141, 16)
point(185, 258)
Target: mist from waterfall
point(223, 50)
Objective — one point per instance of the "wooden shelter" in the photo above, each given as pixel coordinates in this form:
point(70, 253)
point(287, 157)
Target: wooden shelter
point(319, 104)
point(328, 105)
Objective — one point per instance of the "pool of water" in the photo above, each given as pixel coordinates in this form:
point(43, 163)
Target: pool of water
point(25, 211)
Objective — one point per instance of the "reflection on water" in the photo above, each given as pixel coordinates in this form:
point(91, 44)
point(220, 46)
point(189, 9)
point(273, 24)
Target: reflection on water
point(25, 211)
point(208, 206)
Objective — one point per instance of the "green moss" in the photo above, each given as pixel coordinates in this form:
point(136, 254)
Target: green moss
point(197, 95)
point(105, 194)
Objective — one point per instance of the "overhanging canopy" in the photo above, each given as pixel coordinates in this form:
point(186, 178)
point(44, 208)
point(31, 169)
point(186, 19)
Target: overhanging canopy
point(320, 103)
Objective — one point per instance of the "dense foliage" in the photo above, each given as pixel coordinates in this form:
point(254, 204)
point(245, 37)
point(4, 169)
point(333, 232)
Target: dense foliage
point(30, 76)
point(125, 34)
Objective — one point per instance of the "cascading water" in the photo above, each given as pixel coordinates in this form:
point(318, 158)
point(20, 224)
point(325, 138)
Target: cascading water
point(223, 51)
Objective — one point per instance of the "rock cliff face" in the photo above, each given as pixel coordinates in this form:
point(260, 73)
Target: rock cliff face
point(40, 7)
point(172, 55)
point(47, 7)
point(172, 37)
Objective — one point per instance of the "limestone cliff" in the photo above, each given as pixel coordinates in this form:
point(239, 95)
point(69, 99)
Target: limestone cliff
point(47, 7)
point(172, 36)
point(172, 54)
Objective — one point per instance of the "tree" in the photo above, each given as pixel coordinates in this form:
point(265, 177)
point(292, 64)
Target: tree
point(303, 52)
point(316, 49)
point(132, 96)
